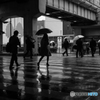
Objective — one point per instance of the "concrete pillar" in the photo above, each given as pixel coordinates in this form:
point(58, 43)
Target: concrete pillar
point(30, 28)
point(1, 38)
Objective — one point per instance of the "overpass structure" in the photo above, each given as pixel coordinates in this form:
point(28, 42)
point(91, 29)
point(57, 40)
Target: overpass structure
point(78, 12)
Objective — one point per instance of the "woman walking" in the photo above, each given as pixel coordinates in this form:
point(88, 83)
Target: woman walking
point(44, 51)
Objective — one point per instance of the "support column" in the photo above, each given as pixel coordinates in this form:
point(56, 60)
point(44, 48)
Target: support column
point(1, 42)
point(30, 28)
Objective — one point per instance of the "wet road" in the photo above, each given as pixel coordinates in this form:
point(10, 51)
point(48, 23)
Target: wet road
point(67, 74)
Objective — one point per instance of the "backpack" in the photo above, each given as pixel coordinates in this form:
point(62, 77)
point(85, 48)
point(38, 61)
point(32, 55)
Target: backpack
point(8, 47)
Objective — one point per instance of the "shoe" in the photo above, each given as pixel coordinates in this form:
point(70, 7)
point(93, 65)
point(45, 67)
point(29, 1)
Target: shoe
point(18, 65)
point(43, 76)
point(24, 56)
point(11, 68)
point(48, 77)
point(47, 64)
point(63, 54)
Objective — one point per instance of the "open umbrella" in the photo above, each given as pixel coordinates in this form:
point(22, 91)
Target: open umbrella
point(98, 41)
point(43, 31)
point(78, 37)
point(52, 41)
point(66, 38)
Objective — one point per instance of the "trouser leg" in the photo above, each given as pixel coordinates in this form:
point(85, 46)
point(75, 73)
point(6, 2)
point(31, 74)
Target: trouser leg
point(39, 62)
point(66, 52)
point(31, 53)
point(81, 52)
point(77, 53)
point(16, 60)
point(92, 52)
point(26, 53)
point(99, 51)
point(12, 61)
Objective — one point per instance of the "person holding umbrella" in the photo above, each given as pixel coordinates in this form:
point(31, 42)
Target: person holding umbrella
point(66, 46)
point(44, 50)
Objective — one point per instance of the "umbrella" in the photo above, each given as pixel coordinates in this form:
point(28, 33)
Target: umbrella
point(71, 41)
point(87, 42)
point(66, 38)
point(43, 31)
point(78, 37)
point(98, 41)
point(52, 41)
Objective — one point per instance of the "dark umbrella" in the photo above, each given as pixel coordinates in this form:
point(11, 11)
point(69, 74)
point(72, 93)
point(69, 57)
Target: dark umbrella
point(43, 31)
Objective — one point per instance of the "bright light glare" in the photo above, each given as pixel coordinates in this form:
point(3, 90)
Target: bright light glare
point(41, 18)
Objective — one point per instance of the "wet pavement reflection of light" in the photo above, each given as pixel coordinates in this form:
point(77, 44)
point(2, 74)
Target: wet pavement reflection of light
point(67, 74)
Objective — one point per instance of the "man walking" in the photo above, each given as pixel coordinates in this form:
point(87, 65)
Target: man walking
point(66, 45)
point(14, 42)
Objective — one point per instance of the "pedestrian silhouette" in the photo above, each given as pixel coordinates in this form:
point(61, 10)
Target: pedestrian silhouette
point(99, 47)
point(65, 46)
point(14, 42)
point(93, 46)
point(44, 51)
point(87, 48)
point(29, 46)
point(79, 51)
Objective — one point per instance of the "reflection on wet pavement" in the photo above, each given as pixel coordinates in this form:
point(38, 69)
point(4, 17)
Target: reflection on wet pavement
point(67, 74)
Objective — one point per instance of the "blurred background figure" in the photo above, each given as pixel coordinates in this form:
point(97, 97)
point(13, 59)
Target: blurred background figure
point(65, 46)
point(29, 46)
point(93, 46)
point(99, 46)
point(87, 47)
point(79, 51)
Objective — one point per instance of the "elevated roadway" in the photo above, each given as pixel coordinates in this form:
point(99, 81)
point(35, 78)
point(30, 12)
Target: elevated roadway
point(78, 12)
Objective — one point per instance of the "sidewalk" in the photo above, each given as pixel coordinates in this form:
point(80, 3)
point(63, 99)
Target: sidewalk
point(68, 73)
